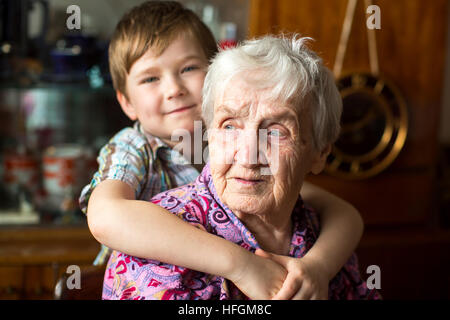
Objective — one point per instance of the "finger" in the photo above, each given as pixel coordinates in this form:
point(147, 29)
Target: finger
point(305, 293)
point(319, 297)
point(282, 260)
point(323, 295)
point(320, 294)
point(262, 253)
point(308, 291)
point(288, 289)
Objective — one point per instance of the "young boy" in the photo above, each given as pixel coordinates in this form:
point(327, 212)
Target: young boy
point(159, 54)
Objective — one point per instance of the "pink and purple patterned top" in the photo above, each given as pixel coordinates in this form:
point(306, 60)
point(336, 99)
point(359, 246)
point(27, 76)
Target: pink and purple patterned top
point(128, 277)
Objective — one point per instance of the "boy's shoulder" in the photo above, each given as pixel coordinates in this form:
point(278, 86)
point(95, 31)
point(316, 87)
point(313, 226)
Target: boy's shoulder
point(136, 137)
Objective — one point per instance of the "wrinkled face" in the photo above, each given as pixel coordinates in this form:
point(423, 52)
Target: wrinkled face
point(165, 91)
point(242, 117)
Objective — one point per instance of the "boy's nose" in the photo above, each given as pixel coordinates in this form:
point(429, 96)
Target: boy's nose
point(174, 88)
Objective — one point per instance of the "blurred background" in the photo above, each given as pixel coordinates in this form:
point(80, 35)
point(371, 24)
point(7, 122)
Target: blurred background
point(392, 160)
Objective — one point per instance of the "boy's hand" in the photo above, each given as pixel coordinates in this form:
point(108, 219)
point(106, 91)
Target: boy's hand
point(257, 277)
point(305, 279)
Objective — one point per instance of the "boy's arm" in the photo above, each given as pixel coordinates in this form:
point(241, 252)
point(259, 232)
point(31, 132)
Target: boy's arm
point(340, 232)
point(146, 230)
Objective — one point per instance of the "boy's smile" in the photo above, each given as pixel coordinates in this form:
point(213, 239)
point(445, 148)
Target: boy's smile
point(165, 92)
point(180, 109)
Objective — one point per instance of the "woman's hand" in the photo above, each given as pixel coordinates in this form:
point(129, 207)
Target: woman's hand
point(257, 277)
point(305, 280)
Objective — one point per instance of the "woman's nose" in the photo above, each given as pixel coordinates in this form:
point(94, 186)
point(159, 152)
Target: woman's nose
point(174, 87)
point(247, 153)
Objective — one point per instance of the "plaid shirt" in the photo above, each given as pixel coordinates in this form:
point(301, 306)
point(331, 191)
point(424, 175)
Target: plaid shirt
point(144, 162)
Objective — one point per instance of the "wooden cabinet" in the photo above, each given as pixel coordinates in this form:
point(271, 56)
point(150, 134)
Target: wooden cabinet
point(32, 259)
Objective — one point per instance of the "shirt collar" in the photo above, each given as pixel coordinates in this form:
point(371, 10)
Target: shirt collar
point(154, 141)
point(161, 150)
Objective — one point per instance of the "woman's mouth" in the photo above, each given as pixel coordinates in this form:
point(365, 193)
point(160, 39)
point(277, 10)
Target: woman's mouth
point(248, 182)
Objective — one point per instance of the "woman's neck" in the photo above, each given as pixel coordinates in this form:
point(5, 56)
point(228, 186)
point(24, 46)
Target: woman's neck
point(272, 236)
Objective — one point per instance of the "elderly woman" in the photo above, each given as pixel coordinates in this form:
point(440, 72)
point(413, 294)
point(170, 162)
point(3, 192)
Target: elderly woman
point(272, 111)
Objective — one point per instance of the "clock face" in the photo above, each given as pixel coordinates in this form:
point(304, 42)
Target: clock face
point(374, 125)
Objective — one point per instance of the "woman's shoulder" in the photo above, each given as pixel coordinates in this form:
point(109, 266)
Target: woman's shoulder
point(189, 202)
point(179, 195)
point(306, 216)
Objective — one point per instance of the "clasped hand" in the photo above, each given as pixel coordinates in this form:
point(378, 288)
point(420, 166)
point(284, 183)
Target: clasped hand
point(270, 276)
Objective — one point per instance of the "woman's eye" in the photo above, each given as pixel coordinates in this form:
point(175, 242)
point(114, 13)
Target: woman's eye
point(274, 133)
point(229, 127)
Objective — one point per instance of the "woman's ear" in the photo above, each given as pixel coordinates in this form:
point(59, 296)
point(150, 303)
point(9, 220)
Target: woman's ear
point(126, 106)
point(320, 159)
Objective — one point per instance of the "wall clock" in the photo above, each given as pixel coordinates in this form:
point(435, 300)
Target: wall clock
point(374, 126)
point(374, 121)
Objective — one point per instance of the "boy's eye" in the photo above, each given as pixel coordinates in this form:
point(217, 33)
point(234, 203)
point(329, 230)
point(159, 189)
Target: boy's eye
point(189, 68)
point(150, 79)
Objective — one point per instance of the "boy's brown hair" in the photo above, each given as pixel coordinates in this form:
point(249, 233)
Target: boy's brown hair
point(153, 24)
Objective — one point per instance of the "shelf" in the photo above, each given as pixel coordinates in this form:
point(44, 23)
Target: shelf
point(46, 244)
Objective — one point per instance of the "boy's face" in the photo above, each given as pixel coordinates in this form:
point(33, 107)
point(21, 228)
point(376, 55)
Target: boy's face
point(165, 92)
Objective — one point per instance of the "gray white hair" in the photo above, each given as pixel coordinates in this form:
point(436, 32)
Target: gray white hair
point(294, 73)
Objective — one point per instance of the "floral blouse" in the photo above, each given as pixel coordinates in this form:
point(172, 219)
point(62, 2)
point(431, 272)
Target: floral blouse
point(197, 203)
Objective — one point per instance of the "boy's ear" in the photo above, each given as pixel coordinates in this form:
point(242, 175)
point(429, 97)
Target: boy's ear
point(320, 159)
point(126, 106)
